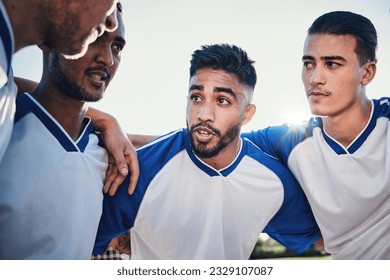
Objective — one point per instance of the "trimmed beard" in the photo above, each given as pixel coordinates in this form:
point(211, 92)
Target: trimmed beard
point(68, 87)
point(201, 149)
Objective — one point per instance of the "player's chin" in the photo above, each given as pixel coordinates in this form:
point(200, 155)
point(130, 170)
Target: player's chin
point(92, 95)
point(319, 111)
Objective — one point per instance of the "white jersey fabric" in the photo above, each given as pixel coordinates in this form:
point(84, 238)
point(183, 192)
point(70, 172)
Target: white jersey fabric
point(8, 88)
point(183, 208)
point(348, 189)
point(51, 188)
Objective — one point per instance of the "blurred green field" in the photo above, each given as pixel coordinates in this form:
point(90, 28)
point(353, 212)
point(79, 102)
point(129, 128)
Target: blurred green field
point(270, 249)
point(323, 258)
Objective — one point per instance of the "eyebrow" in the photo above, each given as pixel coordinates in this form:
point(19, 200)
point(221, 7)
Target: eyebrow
point(330, 57)
point(196, 87)
point(216, 89)
point(226, 90)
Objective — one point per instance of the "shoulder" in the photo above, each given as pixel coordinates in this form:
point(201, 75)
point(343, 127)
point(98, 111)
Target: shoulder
point(172, 142)
point(153, 156)
point(272, 163)
point(381, 107)
point(279, 141)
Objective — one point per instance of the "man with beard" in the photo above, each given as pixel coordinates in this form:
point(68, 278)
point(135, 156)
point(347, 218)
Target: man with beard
point(204, 192)
point(340, 156)
point(66, 27)
point(52, 174)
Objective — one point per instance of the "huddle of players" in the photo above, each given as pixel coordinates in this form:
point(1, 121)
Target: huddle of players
point(203, 183)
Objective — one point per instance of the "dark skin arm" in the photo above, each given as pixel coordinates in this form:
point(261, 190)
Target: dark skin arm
point(122, 155)
point(113, 177)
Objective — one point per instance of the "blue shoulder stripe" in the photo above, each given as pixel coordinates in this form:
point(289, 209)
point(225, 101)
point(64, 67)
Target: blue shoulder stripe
point(154, 155)
point(279, 141)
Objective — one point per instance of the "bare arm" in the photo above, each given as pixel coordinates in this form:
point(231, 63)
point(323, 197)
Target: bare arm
point(138, 140)
point(122, 155)
point(120, 144)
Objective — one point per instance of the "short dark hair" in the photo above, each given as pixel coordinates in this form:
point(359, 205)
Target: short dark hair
point(348, 23)
point(229, 58)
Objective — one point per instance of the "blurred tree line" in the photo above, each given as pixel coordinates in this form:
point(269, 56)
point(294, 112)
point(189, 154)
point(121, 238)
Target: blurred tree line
point(270, 249)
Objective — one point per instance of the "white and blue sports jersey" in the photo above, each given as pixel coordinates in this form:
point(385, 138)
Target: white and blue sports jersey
point(348, 188)
point(51, 188)
point(183, 208)
point(8, 88)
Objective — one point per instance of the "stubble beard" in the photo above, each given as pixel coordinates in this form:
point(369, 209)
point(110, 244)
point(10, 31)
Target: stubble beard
point(69, 87)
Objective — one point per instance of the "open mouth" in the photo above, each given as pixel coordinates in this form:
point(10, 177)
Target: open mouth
point(98, 77)
point(203, 134)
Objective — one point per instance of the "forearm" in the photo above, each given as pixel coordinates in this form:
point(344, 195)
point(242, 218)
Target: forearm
point(138, 140)
point(102, 121)
point(119, 148)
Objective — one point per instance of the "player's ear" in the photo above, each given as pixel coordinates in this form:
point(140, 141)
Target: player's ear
point(249, 113)
point(369, 72)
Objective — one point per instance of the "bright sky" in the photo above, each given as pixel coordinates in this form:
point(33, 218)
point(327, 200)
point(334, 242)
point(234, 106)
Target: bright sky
point(148, 94)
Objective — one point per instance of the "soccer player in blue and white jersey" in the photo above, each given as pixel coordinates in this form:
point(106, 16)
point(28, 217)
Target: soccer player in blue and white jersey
point(342, 157)
point(204, 192)
point(52, 174)
point(55, 26)
point(66, 27)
